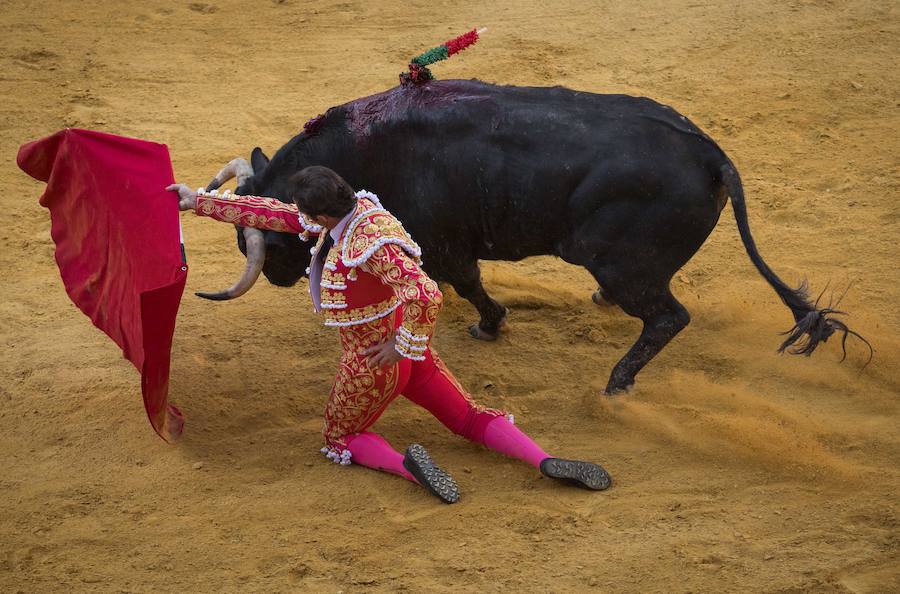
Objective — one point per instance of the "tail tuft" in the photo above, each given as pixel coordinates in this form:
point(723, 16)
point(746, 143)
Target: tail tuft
point(812, 325)
point(817, 327)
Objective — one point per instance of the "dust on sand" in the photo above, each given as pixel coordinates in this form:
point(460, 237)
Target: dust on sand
point(735, 468)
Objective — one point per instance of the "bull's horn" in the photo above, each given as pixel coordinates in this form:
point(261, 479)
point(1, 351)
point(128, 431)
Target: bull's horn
point(256, 256)
point(238, 168)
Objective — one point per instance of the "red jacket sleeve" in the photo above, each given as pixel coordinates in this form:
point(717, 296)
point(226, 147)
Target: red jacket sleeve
point(255, 211)
point(421, 297)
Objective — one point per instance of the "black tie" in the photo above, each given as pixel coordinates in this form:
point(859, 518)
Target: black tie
point(326, 247)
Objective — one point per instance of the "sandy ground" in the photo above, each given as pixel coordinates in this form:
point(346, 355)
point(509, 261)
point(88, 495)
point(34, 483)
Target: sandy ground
point(736, 469)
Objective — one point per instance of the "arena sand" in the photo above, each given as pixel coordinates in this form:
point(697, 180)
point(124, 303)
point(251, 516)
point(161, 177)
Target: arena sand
point(736, 469)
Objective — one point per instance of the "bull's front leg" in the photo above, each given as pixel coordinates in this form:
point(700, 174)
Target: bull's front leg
point(466, 281)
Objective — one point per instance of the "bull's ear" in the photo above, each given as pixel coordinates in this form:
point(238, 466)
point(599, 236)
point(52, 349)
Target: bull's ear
point(258, 160)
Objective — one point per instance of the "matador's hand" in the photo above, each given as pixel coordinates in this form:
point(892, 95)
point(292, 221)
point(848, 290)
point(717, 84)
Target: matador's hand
point(383, 355)
point(187, 198)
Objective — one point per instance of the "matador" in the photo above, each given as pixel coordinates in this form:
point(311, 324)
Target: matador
point(366, 279)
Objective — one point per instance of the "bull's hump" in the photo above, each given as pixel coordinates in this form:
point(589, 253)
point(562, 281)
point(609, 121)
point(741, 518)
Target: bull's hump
point(434, 94)
point(398, 101)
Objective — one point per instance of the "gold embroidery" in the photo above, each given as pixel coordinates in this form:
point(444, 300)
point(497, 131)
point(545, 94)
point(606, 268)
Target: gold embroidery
point(360, 393)
point(367, 233)
point(270, 204)
point(231, 211)
point(332, 297)
point(335, 317)
point(421, 297)
point(332, 277)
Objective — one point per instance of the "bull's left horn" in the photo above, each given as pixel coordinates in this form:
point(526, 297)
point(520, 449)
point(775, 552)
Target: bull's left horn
point(256, 257)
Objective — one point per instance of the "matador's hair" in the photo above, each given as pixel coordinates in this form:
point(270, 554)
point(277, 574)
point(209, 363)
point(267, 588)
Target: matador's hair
point(320, 191)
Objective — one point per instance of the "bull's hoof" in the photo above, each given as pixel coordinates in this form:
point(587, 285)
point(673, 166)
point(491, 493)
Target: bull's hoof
point(612, 391)
point(476, 332)
point(479, 333)
point(600, 299)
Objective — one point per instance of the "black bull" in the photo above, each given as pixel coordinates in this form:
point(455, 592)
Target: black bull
point(623, 186)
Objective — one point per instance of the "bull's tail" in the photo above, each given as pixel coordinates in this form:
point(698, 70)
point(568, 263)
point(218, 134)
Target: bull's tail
point(812, 325)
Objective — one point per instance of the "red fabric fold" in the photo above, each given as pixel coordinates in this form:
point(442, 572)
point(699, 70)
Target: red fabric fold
point(118, 246)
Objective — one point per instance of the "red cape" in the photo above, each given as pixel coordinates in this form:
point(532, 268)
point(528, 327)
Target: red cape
point(118, 246)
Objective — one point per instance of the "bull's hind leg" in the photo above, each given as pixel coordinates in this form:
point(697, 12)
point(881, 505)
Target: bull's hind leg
point(663, 317)
point(466, 281)
point(633, 259)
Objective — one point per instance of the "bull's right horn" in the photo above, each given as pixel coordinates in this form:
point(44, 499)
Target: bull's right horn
point(256, 257)
point(238, 168)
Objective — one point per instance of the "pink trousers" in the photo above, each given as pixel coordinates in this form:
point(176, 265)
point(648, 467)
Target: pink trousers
point(361, 393)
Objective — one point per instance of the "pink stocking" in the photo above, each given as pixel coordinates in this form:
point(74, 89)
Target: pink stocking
point(373, 451)
point(502, 436)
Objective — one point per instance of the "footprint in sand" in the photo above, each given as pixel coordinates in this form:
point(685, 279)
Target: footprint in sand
point(36, 57)
point(203, 8)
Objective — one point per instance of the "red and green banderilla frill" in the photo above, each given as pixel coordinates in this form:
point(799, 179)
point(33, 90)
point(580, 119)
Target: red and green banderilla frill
point(418, 66)
point(418, 71)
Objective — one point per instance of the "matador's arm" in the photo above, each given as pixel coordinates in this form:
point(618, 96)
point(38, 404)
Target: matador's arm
point(255, 211)
point(421, 297)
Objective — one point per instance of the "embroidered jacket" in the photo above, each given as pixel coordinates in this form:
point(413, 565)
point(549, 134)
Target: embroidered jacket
point(374, 268)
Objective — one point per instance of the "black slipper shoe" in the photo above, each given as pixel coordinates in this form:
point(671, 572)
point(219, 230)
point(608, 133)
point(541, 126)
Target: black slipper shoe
point(420, 465)
point(583, 474)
